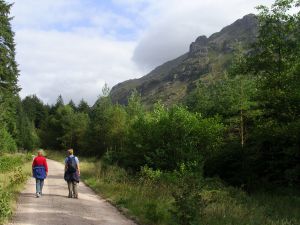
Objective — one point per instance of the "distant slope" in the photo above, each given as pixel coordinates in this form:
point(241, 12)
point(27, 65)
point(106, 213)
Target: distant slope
point(171, 81)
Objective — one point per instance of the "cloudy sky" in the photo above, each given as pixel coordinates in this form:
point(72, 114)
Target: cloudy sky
point(74, 47)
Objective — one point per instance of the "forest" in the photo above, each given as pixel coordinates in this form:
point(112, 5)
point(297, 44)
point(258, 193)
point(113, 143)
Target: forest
point(242, 127)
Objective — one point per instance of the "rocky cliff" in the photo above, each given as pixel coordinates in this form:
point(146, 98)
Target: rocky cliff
point(207, 57)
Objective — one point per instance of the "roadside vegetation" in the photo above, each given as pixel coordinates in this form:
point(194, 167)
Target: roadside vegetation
point(14, 171)
point(149, 197)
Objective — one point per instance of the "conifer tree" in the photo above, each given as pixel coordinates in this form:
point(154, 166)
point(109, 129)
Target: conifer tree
point(8, 71)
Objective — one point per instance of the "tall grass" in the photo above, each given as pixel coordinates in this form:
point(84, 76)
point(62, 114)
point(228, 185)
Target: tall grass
point(14, 171)
point(148, 201)
point(151, 201)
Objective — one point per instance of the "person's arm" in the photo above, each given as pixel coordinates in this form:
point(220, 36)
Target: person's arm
point(33, 165)
point(78, 168)
point(66, 166)
point(78, 165)
point(46, 166)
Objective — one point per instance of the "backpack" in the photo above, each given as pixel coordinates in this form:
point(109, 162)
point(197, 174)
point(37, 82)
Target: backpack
point(72, 165)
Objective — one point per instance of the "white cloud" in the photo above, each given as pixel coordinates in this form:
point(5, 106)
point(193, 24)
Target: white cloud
point(71, 64)
point(72, 47)
point(44, 13)
point(181, 22)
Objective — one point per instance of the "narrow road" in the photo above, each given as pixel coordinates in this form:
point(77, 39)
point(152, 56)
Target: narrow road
point(54, 208)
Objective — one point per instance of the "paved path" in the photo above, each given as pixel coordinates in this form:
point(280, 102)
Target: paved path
point(54, 208)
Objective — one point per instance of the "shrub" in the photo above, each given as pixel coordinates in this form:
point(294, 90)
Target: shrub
point(8, 163)
point(189, 204)
point(149, 175)
point(153, 213)
point(165, 138)
point(5, 209)
point(18, 177)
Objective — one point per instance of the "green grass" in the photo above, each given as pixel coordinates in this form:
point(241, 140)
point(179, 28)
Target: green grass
point(55, 155)
point(14, 171)
point(151, 202)
point(145, 201)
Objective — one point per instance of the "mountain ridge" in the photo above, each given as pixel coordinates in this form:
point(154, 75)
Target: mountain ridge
point(207, 56)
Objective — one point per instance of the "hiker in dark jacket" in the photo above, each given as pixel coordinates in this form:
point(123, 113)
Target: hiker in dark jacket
point(72, 173)
point(39, 172)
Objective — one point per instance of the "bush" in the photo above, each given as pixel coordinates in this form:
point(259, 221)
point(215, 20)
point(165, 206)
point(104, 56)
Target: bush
point(8, 163)
point(149, 175)
point(165, 138)
point(189, 204)
point(153, 213)
point(5, 209)
point(18, 177)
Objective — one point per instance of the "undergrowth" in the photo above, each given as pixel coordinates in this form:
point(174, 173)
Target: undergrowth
point(14, 171)
point(158, 198)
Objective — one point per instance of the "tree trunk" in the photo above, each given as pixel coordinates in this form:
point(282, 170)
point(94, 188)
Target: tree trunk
point(242, 128)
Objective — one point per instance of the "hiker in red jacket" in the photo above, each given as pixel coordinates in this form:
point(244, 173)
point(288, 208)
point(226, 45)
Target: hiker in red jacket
point(39, 172)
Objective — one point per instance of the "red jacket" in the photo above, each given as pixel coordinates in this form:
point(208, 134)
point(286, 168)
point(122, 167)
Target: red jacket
point(40, 161)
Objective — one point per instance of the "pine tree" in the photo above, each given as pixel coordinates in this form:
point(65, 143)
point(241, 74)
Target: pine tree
point(8, 71)
point(83, 107)
point(72, 104)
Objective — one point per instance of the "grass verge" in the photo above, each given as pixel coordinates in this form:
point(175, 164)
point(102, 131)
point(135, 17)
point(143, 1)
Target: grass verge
point(14, 171)
point(151, 201)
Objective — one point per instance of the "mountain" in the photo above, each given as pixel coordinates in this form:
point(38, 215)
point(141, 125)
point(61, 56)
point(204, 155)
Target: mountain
point(207, 57)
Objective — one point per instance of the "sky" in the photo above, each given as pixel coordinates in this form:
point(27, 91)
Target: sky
point(74, 47)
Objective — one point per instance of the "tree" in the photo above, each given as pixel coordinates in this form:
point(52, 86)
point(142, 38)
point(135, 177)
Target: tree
point(100, 117)
point(27, 133)
point(83, 107)
point(275, 60)
point(72, 104)
point(165, 138)
point(35, 110)
point(242, 89)
point(105, 90)
point(65, 129)
point(273, 110)
point(134, 107)
point(232, 98)
point(8, 71)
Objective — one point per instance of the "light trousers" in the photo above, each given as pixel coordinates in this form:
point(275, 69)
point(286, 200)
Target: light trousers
point(39, 183)
point(72, 186)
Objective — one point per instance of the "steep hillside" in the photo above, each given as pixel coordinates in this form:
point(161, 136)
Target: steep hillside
point(206, 57)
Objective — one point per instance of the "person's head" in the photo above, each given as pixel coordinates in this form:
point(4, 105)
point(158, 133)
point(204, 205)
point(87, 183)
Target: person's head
point(70, 151)
point(40, 152)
